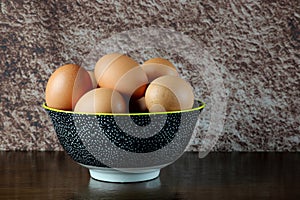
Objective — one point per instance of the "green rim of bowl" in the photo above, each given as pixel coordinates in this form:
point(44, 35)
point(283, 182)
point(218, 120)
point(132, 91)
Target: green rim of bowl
point(202, 105)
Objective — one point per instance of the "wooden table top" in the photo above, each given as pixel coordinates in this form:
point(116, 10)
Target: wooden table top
point(53, 175)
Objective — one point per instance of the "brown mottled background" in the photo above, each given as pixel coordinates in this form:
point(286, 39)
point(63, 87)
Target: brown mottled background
point(258, 43)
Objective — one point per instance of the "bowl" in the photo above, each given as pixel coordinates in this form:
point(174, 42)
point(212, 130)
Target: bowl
point(125, 147)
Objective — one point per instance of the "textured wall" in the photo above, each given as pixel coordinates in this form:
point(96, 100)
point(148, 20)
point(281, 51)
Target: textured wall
point(256, 43)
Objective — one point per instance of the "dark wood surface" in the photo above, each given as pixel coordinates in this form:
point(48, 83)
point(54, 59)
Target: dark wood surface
point(53, 175)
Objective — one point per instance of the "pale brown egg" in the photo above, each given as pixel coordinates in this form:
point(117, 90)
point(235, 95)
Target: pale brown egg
point(157, 67)
point(93, 79)
point(66, 85)
point(133, 83)
point(154, 71)
point(169, 93)
point(161, 61)
point(122, 73)
point(101, 100)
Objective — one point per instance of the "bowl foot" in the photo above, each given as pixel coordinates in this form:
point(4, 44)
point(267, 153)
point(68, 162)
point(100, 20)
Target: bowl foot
point(116, 176)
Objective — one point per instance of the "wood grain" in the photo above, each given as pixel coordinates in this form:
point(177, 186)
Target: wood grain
point(53, 175)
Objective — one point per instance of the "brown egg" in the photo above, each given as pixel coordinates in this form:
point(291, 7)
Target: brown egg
point(122, 73)
point(66, 85)
point(101, 100)
point(93, 79)
point(169, 93)
point(133, 83)
point(157, 67)
point(161, 61)
point(154, 71)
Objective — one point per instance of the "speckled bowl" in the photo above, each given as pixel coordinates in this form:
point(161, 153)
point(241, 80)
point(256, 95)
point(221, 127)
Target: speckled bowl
point(125, 147)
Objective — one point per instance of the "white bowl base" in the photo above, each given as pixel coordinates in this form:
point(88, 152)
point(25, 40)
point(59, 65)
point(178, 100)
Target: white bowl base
point(116, 176)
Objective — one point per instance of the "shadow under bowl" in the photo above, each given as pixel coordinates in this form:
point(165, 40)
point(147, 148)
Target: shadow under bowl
point(123, 147)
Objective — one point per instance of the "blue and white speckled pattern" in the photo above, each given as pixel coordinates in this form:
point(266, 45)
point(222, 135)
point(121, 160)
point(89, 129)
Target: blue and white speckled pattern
point(99, 140)
point(71, 142)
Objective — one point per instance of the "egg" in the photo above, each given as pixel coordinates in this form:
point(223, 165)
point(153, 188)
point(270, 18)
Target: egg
point(169, 93)
point(161, 61)
point(93, 79)
point(122, 73)
point(157, 67)
point(66, 85)
point(133, 83)
point(154, 71)
point(101, 100)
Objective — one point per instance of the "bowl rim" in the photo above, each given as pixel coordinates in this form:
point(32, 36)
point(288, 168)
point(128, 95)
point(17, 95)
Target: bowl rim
point(202, 105)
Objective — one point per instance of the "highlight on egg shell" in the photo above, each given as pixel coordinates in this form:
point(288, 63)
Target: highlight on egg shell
point(169, 93)
point(101, 100)
point(66, 85)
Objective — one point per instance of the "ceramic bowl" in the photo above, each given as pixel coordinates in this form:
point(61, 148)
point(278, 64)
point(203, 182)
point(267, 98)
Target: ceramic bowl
point(128, 147)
